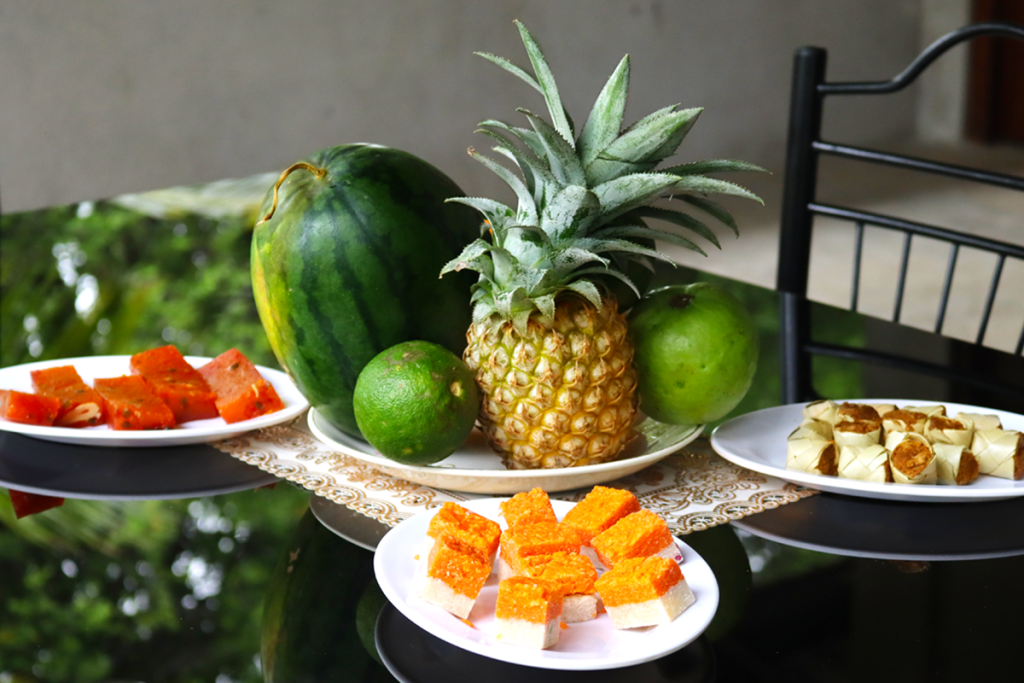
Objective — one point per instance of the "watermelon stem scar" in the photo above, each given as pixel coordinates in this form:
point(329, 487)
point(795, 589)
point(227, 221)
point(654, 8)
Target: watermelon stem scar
point(318, 172)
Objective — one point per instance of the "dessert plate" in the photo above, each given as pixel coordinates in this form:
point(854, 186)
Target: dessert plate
point(757, 441)
point(475, 468)
point(590, 645)
point(17, 377)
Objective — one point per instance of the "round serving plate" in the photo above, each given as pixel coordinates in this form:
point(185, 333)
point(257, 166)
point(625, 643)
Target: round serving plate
point(757, 441)
point(18, 377)
point(586, 646)
point(475, 468)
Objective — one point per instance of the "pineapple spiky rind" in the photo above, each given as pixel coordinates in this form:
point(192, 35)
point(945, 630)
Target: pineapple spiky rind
point(543, 327)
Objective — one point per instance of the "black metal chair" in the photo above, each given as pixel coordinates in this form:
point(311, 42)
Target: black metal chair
point(800, 208)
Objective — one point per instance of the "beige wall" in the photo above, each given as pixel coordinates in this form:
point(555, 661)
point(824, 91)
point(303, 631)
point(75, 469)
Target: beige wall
point(111, 96)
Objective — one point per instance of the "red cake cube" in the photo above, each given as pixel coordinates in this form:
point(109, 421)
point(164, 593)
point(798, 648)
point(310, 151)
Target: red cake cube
point(242, 393)
point(177, 383)
point(80, 404)
point(131, 404)
point(32, 409)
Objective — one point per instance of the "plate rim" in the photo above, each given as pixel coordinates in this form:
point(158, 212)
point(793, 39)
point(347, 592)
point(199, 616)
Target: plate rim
point(456, 472)
point(923, 493)
point(869, 554)
point(295, 404)
point(693, 563)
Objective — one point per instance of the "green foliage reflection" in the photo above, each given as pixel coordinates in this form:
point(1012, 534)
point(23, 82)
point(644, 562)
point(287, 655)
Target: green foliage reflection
point(98, 278)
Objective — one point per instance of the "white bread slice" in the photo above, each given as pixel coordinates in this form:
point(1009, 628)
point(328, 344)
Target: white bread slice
point(439, 593)
point(579, 607)
point(527, 633)
point(653, 612)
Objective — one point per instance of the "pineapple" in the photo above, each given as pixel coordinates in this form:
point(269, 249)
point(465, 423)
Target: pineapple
point(548, 345)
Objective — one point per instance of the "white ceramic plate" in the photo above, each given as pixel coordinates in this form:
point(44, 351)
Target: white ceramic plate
point(475, 468)
point(588, 645)
point(197, 431)
point(757, 441)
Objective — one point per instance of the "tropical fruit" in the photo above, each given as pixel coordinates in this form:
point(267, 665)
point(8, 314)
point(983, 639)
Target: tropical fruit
point(345, 263)
point(548, 344)
point(416, 402)
point(696, 352)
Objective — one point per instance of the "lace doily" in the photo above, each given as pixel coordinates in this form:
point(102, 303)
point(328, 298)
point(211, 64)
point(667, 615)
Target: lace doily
point(692, 490)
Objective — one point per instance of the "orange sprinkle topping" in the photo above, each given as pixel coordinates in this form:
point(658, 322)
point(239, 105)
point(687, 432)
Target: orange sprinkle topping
point(465, 529)
point(563, 625)
point(637, 535)
point(575, 573)
point(544, 538)
point(534, 600)
point(637, 580)
point(463, 572)
point(601, 508)
point(530, 507)
point(468, 623)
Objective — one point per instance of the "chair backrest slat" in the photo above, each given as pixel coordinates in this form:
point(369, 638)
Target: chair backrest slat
point(858, 250)
point(902, 282)
point(913, 163)
point(990, 299)
point(947, 285)
point(923, 229)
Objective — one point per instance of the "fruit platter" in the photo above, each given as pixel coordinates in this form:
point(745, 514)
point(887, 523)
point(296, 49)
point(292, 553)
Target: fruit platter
point(437, 334)
point(475, 468)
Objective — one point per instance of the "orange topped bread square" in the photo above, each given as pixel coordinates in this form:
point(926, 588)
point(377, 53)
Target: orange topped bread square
point(529, 507)
point(529, 599)
point(575, 574)
point(31, 409)
point(177, 383)
point(543, 538)
point(644, 592)
point(242, 393)
point(80, 404)
point(640, 534)
point(599, 510)
point(465, 529)
point(131, 404)
point(452, 578)
point(528, 612)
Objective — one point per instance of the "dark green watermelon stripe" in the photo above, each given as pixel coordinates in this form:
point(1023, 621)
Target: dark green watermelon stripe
point(383, 256)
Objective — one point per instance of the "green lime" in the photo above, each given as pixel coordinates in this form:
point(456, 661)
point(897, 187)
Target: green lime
point(695, 353)
point(416, 402)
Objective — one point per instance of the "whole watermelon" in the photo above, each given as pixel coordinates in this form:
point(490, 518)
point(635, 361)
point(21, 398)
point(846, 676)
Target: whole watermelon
point(347, 265)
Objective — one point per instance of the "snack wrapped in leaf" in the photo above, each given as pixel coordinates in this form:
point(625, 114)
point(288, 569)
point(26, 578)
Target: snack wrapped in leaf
point(870, 463)
point(1000, 452)
point(955, 464)
point(911, 458)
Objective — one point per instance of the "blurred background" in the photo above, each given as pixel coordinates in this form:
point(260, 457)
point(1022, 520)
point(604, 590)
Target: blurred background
point(109, 97)
point(112, 97)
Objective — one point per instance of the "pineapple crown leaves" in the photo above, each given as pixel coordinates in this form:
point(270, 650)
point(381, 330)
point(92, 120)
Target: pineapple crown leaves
point(582, 201)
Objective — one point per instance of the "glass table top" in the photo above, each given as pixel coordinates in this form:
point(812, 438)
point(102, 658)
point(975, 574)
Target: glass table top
point(248, 579)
